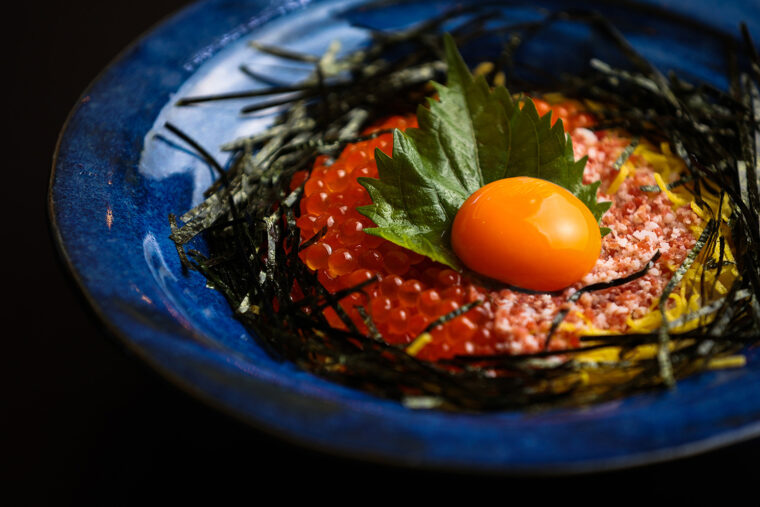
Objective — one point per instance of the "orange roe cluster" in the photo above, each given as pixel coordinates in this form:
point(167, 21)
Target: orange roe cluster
point(412, 291)
point(570, 112)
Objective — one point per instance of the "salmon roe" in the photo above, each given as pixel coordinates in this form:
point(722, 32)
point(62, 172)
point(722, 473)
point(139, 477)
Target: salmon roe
point(411, 291)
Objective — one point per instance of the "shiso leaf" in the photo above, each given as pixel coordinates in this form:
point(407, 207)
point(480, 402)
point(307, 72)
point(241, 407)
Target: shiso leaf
point(469, 137)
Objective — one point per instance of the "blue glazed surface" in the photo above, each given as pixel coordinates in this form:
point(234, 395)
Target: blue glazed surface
point(118, 175)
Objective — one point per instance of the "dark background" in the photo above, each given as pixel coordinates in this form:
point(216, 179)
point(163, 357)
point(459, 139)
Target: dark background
point(90, 423)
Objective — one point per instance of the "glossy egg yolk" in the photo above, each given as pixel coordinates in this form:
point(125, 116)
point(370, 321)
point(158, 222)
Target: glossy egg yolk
point(527, 232)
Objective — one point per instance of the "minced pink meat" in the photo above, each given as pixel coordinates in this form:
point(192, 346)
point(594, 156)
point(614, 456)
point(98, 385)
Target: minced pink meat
point(641, 223)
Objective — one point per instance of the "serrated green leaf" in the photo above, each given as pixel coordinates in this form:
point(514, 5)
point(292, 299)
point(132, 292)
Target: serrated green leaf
point(469, 137)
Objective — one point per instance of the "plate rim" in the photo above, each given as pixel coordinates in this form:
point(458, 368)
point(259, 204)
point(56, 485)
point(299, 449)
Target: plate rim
point(665, 454)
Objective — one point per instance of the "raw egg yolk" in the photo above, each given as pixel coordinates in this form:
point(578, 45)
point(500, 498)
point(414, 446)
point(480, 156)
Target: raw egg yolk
point(527, 232)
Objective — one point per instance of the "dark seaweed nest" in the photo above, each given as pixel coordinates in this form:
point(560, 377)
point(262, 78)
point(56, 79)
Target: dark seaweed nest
point(248, 219)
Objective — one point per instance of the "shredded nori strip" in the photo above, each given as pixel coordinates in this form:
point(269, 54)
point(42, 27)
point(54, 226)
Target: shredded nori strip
point(248, 219)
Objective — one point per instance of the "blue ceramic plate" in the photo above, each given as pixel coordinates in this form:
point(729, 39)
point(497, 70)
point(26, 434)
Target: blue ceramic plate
point(118, 174)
